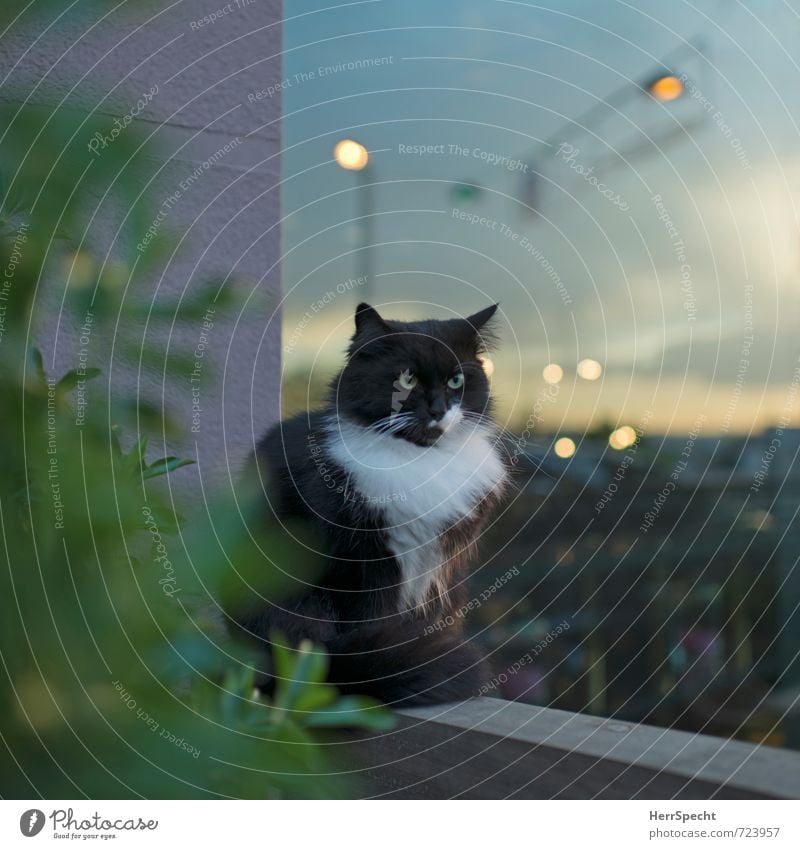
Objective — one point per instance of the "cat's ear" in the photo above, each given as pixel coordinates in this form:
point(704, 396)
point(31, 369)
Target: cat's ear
point(479, 319)
point(367, 319)
point(478, 327)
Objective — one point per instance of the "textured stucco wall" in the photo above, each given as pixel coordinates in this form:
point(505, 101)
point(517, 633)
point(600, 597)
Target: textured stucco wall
point(228, 221)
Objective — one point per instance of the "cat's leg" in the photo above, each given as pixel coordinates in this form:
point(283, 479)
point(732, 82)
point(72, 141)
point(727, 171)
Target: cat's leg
point(415, 665)
point(308, 619)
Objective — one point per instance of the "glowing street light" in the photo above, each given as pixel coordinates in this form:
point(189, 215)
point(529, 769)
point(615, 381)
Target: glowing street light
point(623, 437)
point(351, 155)
point(564, 447)
point(552, 373)
point(666, 88)
point(589, 369)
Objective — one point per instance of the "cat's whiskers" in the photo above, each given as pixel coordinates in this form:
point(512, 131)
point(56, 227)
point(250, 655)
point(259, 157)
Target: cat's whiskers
point(390, 425)
point(396, 422)
point(511, 442)
point(389, 420)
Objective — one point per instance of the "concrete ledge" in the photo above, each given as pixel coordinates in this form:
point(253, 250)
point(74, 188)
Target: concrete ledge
point(490, 749)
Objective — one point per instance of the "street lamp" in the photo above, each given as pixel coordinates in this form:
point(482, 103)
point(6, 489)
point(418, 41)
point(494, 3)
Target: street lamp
point(666, 87)
point(353, 156)
point(661, 85)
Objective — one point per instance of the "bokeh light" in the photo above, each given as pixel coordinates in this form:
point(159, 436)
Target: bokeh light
point(552, 373)
point(351, 155)
point(622, 437)
point(589, 369)
point(666, 88)
point(564, 447)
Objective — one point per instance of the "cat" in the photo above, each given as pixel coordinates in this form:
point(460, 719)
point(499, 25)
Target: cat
point(398, 474)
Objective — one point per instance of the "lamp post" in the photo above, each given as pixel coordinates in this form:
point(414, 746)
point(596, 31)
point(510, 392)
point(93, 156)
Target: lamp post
point(662, 85)
point(353, 156)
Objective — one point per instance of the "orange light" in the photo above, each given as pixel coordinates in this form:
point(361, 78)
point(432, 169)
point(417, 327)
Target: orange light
point(351, 155)
point(589, 369)
point(552, 373)
point(666, 88)
point(564, 447)
point(623, 437)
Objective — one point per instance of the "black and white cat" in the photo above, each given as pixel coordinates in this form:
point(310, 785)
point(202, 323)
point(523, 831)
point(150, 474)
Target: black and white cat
point(398, 474)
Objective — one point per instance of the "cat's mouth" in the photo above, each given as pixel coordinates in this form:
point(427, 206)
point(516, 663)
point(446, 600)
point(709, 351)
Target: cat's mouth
point(424, 435)
point(433, 430)
point(422, 432)
point(432, 433)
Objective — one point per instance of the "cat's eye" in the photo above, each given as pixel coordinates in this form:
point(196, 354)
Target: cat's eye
point(407, 380)
point(456, 381)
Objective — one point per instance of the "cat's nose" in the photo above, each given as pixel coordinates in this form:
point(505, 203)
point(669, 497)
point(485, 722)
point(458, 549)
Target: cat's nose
point(437, 406)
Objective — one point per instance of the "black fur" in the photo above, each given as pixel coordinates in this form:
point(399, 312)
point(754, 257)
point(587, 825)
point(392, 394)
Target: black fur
point(399, 656)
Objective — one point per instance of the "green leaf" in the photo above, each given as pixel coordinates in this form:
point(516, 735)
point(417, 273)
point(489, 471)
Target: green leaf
point(116, 446)
point(203, 696)
point(353, 712)
point(71, 379)
point(138, 451)
point(142, 414)
point(236, 694)
point(282, 656)
point(36, 363)
point(169, 520)
point(210, 300)
point(314, 697)
point(164, 466)
point(153, 358)
point(310, 667)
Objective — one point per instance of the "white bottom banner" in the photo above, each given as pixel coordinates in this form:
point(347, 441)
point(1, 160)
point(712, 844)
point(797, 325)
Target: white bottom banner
point(389, 824)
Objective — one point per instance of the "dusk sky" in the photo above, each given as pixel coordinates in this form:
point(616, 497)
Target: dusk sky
point(658, 238)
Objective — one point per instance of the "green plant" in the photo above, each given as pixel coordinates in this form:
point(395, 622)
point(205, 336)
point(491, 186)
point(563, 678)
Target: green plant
point(120, 677)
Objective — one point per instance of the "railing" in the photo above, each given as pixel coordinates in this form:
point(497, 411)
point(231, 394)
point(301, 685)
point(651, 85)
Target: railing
point(490, 749)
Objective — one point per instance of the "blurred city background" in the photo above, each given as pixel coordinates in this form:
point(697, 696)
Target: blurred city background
point(622, 179)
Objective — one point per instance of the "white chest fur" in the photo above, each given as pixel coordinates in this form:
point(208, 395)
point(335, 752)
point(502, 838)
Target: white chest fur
point(420, 491)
